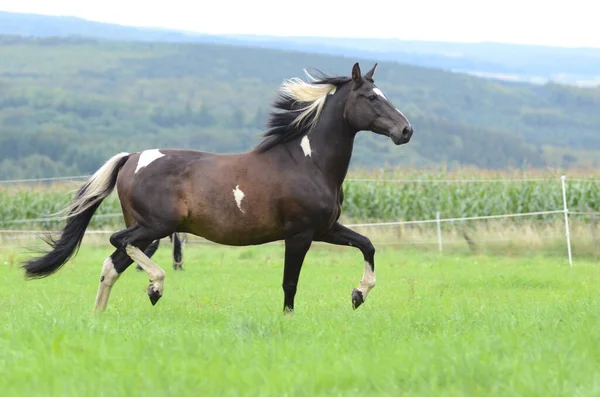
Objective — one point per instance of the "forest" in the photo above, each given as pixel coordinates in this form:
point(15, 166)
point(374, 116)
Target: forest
point(67, 104)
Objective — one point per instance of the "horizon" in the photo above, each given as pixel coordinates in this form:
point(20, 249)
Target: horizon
point(526, 28)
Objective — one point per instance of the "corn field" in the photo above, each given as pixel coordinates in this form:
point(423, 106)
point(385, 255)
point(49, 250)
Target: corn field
point(19, 208)
point(384, 201)
point(364, 201)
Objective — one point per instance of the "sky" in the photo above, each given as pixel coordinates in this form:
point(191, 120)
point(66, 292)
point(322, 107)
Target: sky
point(570, 24)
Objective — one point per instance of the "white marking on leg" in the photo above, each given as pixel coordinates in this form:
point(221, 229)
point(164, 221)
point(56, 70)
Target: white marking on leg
point(147, 157)
point(156, 274)
point(368, 281)
point(379, 92)
point(238, 195)
point(305, 145)
point(107, 279)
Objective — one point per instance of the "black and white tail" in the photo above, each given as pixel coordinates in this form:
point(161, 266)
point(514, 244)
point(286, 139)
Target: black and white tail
point(79, 213)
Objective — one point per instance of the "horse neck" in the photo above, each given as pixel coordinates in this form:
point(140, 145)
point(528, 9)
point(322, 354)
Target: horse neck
point(332, 142)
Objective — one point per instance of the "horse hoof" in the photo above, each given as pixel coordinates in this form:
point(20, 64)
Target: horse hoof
point(288, 311)
point(154, 295)
point(357, 298)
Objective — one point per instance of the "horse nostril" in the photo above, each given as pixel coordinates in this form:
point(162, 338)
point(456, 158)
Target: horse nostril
point(407, 131)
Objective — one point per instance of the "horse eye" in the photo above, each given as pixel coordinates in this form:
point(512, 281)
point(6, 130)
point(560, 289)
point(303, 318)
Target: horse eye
point(372, 97)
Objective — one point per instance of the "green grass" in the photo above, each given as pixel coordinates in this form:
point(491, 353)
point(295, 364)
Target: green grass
point(450, 325)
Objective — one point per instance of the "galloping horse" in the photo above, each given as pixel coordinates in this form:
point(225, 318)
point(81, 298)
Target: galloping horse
point(288, 188)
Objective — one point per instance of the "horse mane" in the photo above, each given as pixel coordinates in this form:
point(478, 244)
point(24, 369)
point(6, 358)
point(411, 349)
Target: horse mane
point(298, 107)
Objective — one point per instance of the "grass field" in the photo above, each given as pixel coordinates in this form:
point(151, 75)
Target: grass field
point(449, 325)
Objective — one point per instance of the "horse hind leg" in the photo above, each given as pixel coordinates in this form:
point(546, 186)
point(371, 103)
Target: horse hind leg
point(132, 240)
point(112, 268)
point(156, 274)
point(151, 250)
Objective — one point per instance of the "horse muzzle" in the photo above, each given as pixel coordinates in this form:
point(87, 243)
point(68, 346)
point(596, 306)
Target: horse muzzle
point(402, 137)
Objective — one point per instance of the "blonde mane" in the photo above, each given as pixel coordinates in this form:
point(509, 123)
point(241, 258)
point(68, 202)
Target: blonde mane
point(298, 108)
point(310, 92)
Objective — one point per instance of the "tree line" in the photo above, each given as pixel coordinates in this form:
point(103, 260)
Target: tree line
point(67, 104)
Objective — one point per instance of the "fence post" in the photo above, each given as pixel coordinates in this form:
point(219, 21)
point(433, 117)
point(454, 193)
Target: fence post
point(439, 230)
point(564, 194)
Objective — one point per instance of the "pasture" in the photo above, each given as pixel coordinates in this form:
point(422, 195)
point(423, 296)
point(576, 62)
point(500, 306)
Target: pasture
point(445, 325)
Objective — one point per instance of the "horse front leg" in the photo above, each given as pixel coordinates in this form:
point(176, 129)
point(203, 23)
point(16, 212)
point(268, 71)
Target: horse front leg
point(296, 248)
point(341, 235)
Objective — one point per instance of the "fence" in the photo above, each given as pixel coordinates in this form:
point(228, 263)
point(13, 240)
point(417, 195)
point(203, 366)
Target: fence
point(438, 221)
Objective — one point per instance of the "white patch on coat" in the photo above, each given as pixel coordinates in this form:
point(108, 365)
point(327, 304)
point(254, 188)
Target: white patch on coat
point(378, 92)
point(305, 145)
point(147, 157)
point(238, 195)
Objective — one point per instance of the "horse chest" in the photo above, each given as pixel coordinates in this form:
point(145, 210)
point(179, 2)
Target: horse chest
point(324, 209)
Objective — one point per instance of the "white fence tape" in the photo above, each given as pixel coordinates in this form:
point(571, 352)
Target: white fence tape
point(35, 220)
point(34, 180)
point(491, 180)
point(468, 218)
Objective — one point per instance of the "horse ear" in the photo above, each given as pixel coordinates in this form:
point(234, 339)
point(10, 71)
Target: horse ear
point(356, 73)
point(369, 74)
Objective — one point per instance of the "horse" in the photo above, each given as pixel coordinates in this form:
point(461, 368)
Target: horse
point(178, 240)
point(287, 188)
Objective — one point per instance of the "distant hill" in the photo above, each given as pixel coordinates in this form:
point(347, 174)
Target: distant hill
point(526, 63)
point(66, 104)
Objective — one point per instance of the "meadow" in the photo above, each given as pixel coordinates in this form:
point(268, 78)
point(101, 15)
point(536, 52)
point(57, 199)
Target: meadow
point(443, 325)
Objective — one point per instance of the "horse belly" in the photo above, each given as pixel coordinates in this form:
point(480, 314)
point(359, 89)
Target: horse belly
point(225, 224)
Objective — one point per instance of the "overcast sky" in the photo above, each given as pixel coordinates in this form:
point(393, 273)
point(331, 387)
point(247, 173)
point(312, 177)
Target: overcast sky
point(561, 23)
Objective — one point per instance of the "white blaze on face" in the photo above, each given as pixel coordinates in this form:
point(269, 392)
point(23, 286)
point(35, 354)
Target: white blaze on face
point(378, 92)
point(305, 145)
point(238, 195)
point(147, 157)
point(402, 114)
point(368, 281)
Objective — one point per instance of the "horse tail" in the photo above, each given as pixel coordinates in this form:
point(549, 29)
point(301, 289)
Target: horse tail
point(80, 211)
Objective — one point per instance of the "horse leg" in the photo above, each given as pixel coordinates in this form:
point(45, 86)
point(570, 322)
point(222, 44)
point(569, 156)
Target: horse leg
point(341, 235)
point(177, 252)
point(151, 250)
point(296, 248)
point(112, 268)
point(131, 240)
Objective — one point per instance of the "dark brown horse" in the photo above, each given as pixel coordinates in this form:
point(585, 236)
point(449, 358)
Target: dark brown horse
point(287, 188)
